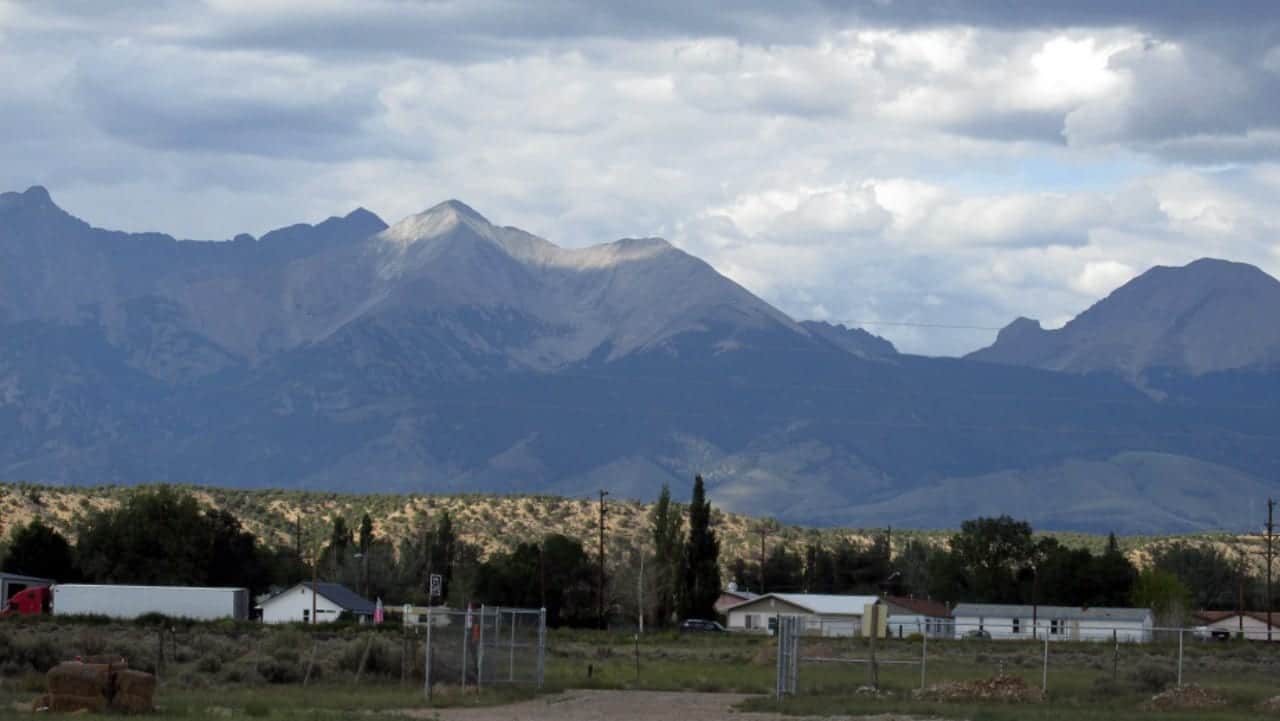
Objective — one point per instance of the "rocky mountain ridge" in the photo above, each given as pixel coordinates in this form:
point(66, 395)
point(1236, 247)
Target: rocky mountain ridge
point(445, 353)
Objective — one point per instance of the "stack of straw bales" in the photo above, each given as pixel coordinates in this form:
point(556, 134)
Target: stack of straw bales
point(99, 684)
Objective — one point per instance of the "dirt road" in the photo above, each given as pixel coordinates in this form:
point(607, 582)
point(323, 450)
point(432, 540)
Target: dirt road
point(623, 706)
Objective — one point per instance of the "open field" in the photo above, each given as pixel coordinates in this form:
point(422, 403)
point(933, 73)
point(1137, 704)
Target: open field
point(251, 672)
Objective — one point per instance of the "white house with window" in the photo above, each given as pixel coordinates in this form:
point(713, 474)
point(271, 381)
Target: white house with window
point(330, 601)
point(1057, 623)
point(823, 614)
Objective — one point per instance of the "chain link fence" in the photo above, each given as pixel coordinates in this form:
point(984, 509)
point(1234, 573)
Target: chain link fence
point(1101, 662)
point(484, 646)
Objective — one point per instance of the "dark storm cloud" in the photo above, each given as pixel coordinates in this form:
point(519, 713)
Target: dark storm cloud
point(157, 100)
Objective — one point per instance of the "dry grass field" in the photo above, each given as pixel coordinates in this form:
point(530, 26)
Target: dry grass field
point(220, 671)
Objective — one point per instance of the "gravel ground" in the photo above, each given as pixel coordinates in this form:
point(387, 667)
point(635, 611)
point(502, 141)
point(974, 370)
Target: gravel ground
point(624, 706)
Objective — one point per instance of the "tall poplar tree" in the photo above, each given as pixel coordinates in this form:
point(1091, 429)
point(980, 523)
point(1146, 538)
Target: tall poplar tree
point(701, 559)
point(666, 521)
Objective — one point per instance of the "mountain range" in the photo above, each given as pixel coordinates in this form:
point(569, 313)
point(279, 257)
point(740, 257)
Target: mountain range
point(446, 353)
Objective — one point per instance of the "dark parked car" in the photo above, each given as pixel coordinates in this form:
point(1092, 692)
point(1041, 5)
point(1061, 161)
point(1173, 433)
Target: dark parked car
point(697, 624)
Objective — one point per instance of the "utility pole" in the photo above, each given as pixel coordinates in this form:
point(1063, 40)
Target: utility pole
point(603, 622)
point(765, 530)
point(1271, 507)
point(315, 579)
point(640, 594)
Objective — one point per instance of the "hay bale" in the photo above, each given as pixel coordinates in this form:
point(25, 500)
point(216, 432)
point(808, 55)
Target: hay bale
point(136, 683)
point(66, 703)
point(80, 679)
point(114, 660)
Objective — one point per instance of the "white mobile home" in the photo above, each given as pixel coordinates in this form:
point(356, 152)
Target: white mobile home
point(1057, 623)
point(823, 614)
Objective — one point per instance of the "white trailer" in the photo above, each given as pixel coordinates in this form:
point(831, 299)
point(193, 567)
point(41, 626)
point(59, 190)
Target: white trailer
point(203, 604)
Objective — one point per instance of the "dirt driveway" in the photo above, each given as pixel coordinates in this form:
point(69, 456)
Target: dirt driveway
point(622, 706)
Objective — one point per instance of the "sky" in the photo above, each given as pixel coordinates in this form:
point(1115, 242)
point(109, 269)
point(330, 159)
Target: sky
point(896, 164)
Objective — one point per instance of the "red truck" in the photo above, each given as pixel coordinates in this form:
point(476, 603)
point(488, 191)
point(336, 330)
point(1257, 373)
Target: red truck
point(32, 601)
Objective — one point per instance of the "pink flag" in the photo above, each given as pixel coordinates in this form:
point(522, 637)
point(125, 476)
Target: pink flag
point(377, 612)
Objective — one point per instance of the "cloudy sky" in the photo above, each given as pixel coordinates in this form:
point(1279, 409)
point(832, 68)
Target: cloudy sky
point(902, 162)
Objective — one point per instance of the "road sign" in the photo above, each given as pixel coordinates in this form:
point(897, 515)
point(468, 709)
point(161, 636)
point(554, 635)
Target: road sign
point(437, 585)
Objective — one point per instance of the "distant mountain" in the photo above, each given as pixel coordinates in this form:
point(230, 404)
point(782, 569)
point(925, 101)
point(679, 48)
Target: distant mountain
point(1210, 315)
point(853, 340)
point(447, 353)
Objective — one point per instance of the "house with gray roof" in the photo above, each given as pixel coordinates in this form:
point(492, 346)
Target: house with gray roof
point(330, 601)
point(1056, 623)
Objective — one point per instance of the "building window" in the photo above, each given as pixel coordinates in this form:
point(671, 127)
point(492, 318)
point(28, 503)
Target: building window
point(306, 615)
point(748, 620)
point(1017, 625)
point(1055, 627)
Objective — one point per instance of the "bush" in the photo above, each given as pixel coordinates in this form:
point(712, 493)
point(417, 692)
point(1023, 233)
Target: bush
point(384, 657)
point(209, 663)
point(1153, 678)
point(34, 654)
point(241, 674)
point(288, 639)
point(274, 671)
point(93, 642)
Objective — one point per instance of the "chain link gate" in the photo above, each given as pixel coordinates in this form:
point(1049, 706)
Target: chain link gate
point(488, 645)
point(788, 655)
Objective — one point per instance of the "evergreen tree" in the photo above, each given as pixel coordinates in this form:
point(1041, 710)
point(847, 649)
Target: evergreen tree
point(701, 559)
point(784, 571)
point(666, 524)
point(366, 533)
point(340, 539)
point(38, 550)
point(1115, 574)
point(444, 547)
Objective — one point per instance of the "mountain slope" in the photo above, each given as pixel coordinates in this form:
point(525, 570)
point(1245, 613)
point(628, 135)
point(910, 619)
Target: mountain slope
point(1210, 315)
point(446, 353)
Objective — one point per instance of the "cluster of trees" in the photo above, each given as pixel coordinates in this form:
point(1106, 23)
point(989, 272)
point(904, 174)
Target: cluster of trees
point(165, 536)
point(685, 580)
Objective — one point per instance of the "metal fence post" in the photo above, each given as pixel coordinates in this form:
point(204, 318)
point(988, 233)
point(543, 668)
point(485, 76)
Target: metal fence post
point(513, 646)
point(466, 641)
point(1044, 680)
point(480, 652)
point(542, 643)
point(777, 679)
point(924, 656)
point(427, 675)
point(1179, 658)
